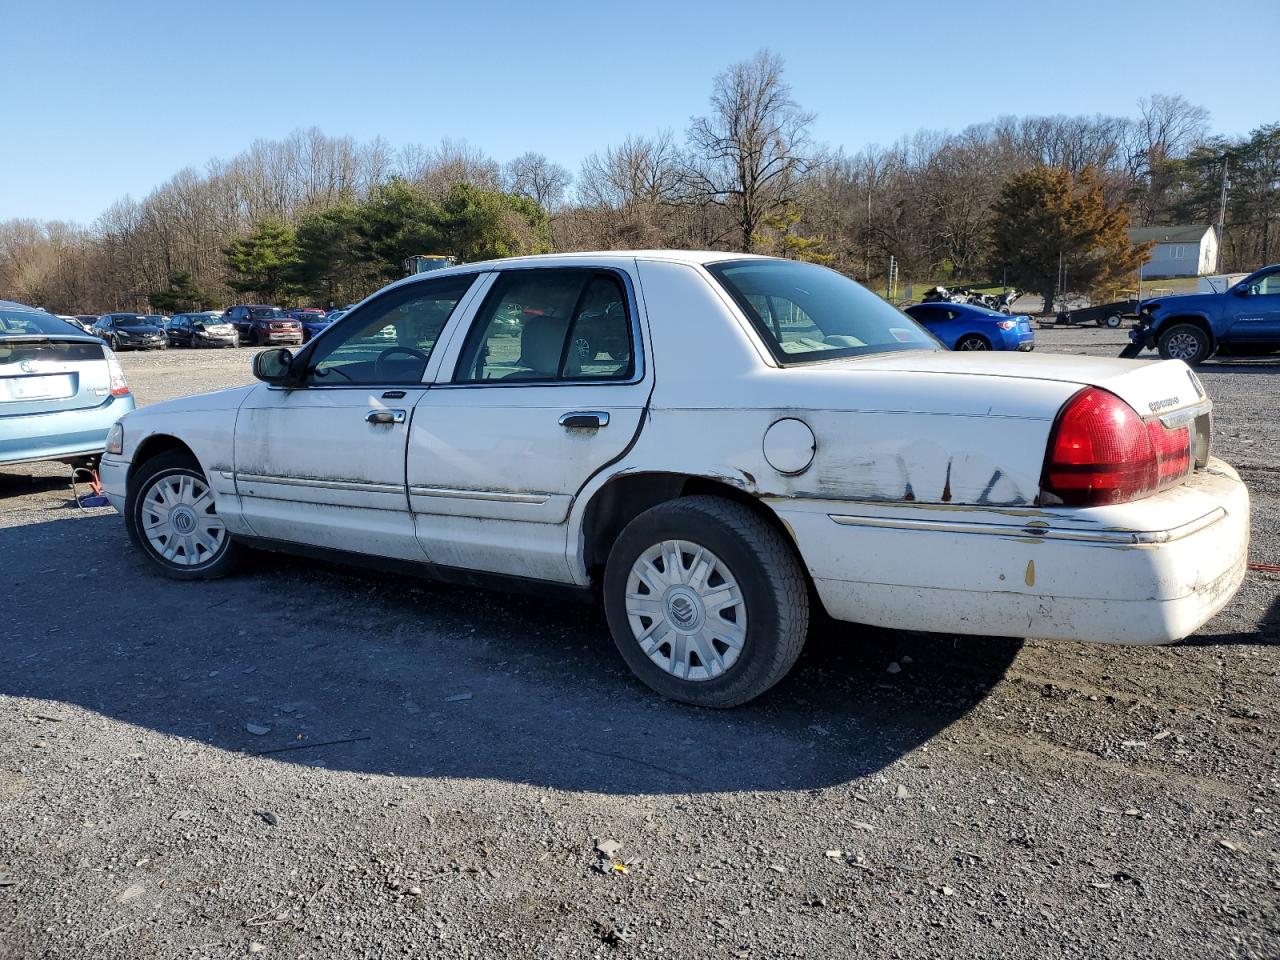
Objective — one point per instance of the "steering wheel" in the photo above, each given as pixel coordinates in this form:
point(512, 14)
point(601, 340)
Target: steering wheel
point(411, 351)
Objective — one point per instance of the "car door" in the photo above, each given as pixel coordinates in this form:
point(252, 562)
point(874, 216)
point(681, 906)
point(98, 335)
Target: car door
point(323, 462)
point(938, 320)
point(546, 386)
point(1255, 309)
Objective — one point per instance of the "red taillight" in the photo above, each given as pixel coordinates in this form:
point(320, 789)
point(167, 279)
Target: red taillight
point(119, 385)
point(1101, 452)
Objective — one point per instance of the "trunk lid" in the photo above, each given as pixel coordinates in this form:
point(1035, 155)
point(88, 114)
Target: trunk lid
point(51, 374)
point(1150, 387)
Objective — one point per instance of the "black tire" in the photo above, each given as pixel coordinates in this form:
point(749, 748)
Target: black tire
point(167, 465)
point(1174, 340)
point(773, 588)
point(1113, 321)
point(971, 341)
point(114, 344)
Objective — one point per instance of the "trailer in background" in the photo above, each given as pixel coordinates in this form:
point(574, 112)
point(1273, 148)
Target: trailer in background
point(1112, 315)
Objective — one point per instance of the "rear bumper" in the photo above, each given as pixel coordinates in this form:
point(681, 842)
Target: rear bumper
point(1156, 577)
point(61, 435)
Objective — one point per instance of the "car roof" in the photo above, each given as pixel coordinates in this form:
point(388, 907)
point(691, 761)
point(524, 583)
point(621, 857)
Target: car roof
point(13, 306)
point(693, 257)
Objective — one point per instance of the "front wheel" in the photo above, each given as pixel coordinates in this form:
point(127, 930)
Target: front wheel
point(170, 516)
point(972, 342)
point(706, 601)
point(1185, 342)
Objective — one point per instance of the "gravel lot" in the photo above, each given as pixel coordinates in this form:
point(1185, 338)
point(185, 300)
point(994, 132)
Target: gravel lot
point(309, 761)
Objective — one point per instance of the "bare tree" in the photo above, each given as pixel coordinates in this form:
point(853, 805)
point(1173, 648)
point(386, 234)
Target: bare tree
point(534, 176)
point(752, 149)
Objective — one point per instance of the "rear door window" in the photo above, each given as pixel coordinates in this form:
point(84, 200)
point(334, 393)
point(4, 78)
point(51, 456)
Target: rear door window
point(550, 325)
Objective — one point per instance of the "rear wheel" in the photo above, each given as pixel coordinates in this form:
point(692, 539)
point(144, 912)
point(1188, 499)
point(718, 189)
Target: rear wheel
point(170, 516)
point(1184, 341)
point(972, 342)
point(1113, 320)
point(706, 601)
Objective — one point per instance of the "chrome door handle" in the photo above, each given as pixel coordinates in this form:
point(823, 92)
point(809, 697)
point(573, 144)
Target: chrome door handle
point(584, 419)
point(384, 416)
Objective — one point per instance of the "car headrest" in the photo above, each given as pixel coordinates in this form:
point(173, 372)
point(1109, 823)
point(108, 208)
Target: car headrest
point(541, 341)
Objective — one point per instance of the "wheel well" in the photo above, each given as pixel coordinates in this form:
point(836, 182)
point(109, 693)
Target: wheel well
point(1194, 321)
point(974, 335)
point(155, 445)
point(624, 498)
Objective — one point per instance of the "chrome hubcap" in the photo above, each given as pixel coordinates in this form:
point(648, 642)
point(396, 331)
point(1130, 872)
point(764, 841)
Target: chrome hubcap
point(180, 522)
point(686, 610)
point(1183, 346)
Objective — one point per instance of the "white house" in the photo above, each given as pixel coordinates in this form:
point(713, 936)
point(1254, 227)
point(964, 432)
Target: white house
point(1189, 251)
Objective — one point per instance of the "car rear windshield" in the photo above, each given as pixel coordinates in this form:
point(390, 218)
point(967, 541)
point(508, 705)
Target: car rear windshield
point(21, 323)
point(806, 313)
point(16, 350)
point(267, 314)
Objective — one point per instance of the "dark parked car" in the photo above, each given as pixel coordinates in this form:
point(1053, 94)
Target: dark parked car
point(86, 320)
point(1193, 327)
point(130, 331)
point(207, 329)
point(962, 326)
point(260, 324)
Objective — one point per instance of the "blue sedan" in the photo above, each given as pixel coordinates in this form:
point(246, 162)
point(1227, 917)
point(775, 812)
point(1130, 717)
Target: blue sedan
point(963, 326)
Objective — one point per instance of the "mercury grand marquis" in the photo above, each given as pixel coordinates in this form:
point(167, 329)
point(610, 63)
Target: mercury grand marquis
point(714, 445)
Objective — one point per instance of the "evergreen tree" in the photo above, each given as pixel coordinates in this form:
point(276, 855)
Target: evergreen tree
point(260, 263)
point(1045, 220)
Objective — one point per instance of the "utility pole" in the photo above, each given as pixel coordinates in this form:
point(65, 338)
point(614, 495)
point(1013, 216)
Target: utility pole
point(1222, 209)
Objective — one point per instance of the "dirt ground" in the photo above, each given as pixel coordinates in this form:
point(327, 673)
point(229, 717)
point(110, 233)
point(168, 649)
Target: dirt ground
point(306, 760)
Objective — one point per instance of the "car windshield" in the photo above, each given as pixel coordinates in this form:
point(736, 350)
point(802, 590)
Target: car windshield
point(20, 323)
point(806, 313)
point(266, 313)
point(130, 320)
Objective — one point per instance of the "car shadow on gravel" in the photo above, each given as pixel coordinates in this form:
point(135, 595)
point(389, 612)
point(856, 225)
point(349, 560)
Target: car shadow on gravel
point(311, 663)
point(14, 483)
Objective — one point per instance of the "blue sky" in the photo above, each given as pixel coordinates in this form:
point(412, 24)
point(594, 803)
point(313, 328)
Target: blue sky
point(107, 98)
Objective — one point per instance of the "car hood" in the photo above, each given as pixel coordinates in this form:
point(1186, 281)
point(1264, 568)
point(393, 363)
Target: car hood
point(229, 399)
point(1185, 301)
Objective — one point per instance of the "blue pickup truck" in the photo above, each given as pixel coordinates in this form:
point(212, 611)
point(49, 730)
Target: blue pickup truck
point(1243, 321)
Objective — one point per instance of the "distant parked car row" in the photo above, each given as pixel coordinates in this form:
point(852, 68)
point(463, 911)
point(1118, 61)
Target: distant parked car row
point(257, 324)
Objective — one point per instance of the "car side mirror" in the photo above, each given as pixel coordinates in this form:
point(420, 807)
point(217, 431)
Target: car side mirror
point(1241, 291)
point(275, 367)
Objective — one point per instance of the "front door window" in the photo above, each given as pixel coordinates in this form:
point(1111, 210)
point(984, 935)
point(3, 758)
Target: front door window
point(390, 339)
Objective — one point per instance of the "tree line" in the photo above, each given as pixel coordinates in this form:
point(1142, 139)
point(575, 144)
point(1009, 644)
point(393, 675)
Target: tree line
point(319, 219)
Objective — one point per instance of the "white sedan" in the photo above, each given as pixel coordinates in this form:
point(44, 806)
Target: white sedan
point(716, 444)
